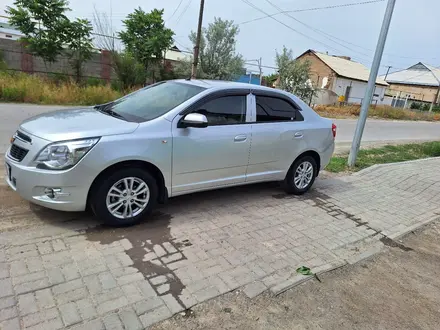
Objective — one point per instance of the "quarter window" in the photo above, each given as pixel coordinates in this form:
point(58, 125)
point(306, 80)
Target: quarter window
point(270, 109)
point(225, 110)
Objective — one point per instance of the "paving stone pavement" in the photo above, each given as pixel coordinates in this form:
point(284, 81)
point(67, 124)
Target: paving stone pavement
point(82, 276)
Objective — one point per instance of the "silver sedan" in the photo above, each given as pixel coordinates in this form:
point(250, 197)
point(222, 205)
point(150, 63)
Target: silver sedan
point(168, 139)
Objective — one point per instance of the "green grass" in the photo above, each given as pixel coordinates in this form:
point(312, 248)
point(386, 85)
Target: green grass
point(386, 154)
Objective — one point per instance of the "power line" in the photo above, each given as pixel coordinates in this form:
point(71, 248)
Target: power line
point(287, 13)
point(183, 12)
point(308, 26)
point(287, 26)
point(313, 9)
point(326, 35)
point(177, 8)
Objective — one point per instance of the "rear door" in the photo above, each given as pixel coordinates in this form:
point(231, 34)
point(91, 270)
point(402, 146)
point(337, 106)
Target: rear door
point(217, 155)
point(277, 137)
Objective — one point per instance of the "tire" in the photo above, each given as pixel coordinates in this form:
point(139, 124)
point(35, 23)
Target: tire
point(301, 187)
point(109, 192)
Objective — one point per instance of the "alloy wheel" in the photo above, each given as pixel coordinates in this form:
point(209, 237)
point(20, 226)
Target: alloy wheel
point(128, 197)
point(303, 175)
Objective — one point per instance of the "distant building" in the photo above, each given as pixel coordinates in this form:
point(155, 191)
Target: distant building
point(420, 82)
point(341, 75)
point(10, 32)
point(253, 79)
point(175, 55)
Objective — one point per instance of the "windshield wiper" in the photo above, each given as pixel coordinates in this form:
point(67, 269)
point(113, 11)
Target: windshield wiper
point(105, 108)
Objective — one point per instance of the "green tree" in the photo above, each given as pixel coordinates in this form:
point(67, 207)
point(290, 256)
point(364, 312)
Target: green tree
point(269, 79)
point(294, 75)
point(146, 37)
point(128, 70)
point(44, 25)
point(218, 59)
point(79, 44)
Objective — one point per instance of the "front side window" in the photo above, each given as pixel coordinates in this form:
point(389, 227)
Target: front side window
point(151, 102)
point(273, 109)
point(226, 110)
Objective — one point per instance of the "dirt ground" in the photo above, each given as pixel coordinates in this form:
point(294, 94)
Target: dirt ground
point(397, 289)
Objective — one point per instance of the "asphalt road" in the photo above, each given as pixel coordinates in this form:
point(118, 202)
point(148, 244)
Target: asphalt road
point(377, 132)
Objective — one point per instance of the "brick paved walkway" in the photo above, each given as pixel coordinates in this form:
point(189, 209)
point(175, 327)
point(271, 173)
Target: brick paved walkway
point(73, 274)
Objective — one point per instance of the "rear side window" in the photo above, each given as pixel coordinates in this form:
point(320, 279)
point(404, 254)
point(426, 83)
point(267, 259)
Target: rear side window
point(273, 109)
point(226, 110)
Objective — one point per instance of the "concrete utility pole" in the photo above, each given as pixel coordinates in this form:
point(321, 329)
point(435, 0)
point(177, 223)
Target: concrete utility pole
point(371, 83)
point(197, 46)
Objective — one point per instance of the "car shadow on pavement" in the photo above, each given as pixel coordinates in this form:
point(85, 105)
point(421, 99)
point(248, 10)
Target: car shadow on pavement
point(17, 213)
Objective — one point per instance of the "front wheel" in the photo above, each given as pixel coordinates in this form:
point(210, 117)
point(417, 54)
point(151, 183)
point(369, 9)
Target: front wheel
point(301, 176)
point(125, 197)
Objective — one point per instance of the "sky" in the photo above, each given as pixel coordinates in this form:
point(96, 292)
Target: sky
point(351, 31)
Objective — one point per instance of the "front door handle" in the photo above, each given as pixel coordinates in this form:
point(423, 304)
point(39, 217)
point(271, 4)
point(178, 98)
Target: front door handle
point(298, 135)
point(240, 138)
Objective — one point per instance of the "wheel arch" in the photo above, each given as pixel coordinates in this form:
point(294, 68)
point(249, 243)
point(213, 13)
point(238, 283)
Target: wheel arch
point(312, 153)
point(151, 168)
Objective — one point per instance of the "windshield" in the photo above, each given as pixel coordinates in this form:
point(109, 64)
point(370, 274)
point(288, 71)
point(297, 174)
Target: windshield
point(152, 101)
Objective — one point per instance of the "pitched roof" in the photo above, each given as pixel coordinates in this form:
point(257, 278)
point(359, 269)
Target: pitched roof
point(419, 74)
point(347, 68)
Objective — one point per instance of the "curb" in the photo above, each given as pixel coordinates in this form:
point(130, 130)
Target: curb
point(365, 255)
point(373, 167)
point(412, 228)
point(299, 279)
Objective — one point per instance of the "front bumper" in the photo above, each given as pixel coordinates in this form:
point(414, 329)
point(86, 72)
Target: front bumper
point(70, 187)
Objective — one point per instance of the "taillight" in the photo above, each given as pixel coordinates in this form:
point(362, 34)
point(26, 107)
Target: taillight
point(334, 130)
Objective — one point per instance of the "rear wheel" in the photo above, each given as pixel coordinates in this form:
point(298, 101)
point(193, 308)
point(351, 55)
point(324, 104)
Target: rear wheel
point(125, 197)
point(301, 175)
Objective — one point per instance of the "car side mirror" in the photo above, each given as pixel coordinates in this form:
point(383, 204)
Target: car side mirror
point(194, 120)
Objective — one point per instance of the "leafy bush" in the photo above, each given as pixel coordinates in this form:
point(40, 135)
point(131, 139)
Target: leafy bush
point(93, 81)
point(425, 107)
point(13, 94)
point(128, 70)
point(416, 106)
point(59, 78)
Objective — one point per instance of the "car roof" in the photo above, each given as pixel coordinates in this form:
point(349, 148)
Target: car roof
point(223, 84)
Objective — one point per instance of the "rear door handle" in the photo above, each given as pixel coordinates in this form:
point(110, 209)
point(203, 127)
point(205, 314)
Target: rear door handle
point(298, 135)
point(240, 138)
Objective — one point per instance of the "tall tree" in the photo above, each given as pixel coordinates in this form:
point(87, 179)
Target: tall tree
point(146, 36)
point(44, 25)
point(218, 58)
point(79, 44)
point(294, 75)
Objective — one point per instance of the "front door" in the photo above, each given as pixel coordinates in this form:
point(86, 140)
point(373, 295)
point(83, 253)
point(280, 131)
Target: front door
point(214, 156)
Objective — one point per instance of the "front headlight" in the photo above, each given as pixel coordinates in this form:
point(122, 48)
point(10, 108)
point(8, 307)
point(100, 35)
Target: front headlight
point(63, 155)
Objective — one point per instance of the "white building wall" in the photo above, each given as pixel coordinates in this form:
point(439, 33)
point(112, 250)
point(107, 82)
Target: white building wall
point(357, 91)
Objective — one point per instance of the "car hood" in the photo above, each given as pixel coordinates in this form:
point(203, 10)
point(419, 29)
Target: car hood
point(75, 124)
